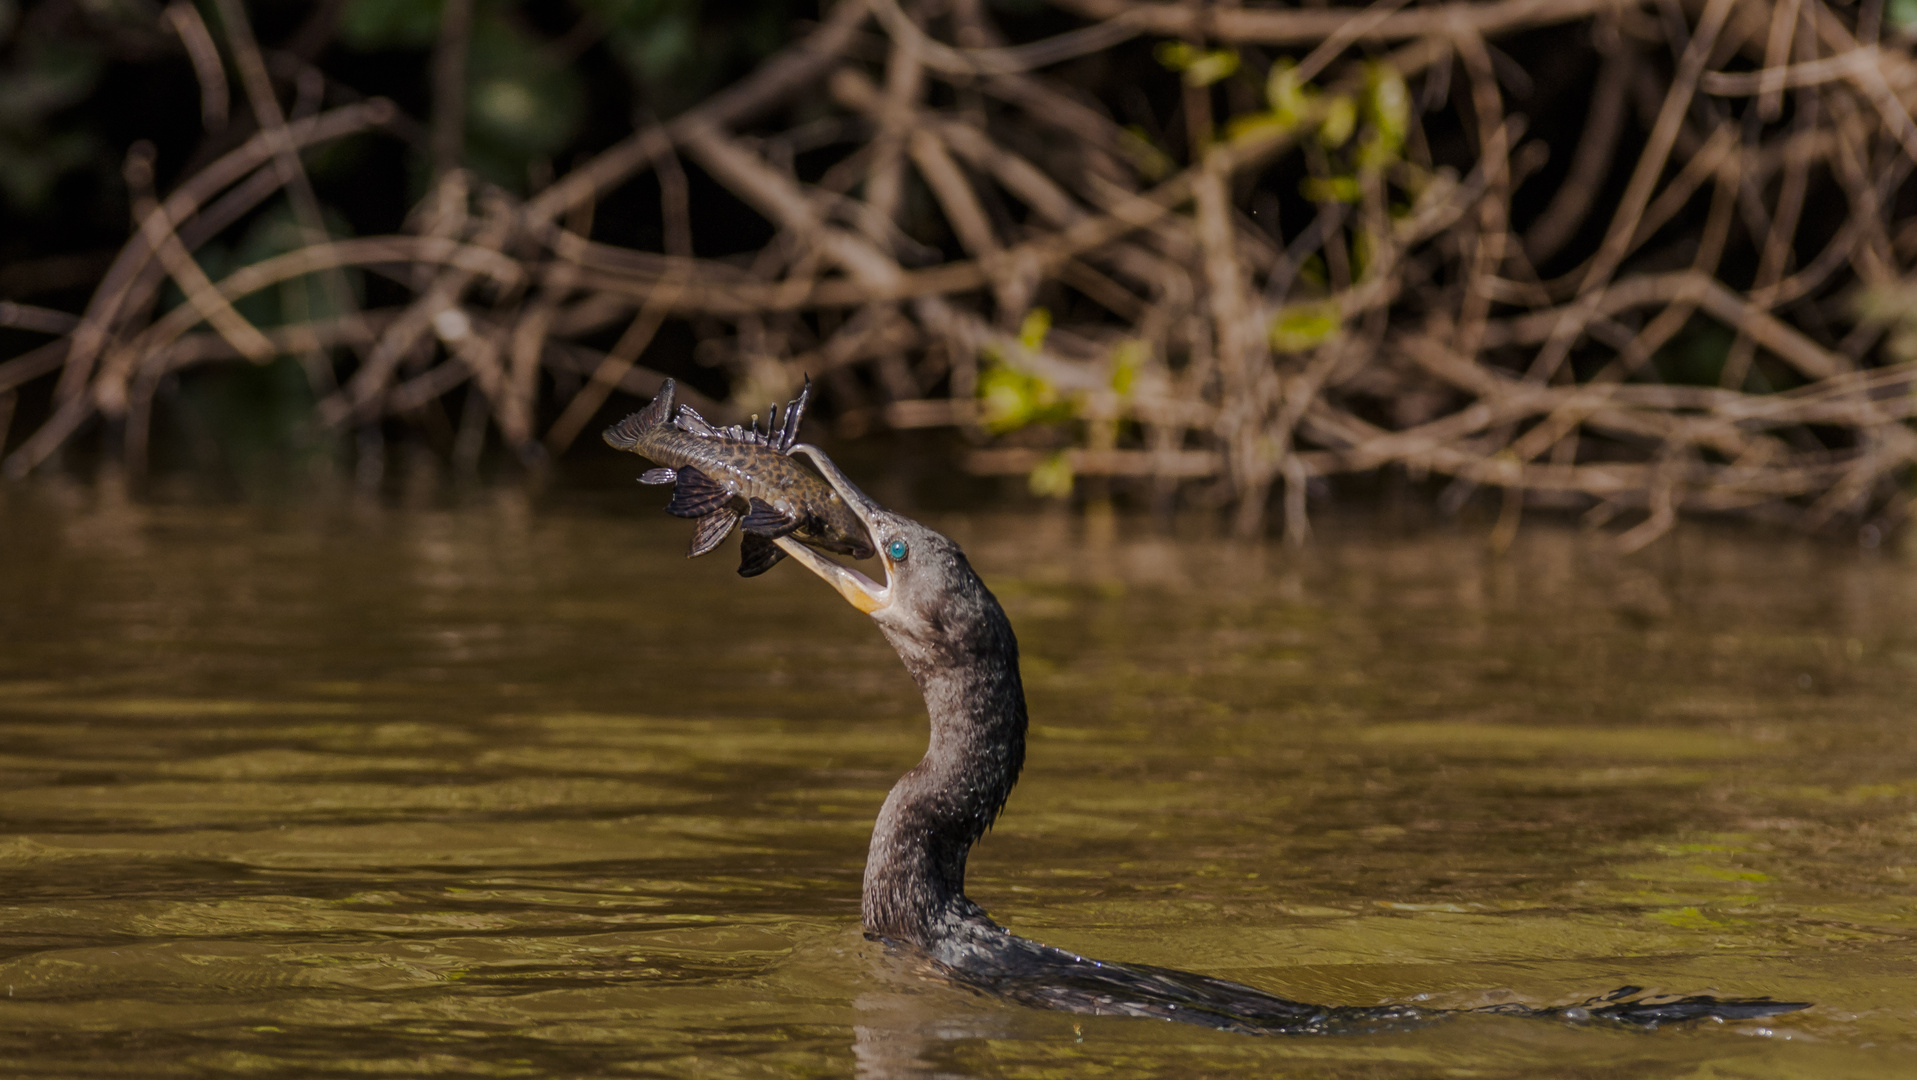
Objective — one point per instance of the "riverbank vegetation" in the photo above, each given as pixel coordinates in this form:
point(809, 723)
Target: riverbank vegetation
point(1626, 258)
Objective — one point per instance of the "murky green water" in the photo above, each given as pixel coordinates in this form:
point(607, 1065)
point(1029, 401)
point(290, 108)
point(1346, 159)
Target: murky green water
point(514, 790)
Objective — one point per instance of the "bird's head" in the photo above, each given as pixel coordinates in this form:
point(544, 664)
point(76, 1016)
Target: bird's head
point(931, 602)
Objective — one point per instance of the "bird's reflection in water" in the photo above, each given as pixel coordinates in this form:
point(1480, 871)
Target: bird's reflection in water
point(910, 1019)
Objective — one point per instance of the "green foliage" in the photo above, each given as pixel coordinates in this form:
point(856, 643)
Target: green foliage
point(1010, 399)
point(653, 38)
point(1697, 354)
point(1052, 478)
point(1893, 305)
point(1199, 67)
point(257, 416)
point(1383, 109)
point(300, 299)
point(1152, 163)
point(1127, 359)
point(1287, 95)
point(1032, 332)
point(1387, 114)
point(45, 76)
point(1324, 189)
point(1255, 125)
point(375, 25)
point(668, 49)
point(1341, 117)
point(1300, 327)
point(30, 165)
point(522, 104)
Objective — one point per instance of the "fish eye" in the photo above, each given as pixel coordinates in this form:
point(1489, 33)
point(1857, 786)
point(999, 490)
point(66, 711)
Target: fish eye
point(896, 551)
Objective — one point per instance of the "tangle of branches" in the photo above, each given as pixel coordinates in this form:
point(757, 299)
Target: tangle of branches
point(1351, 246)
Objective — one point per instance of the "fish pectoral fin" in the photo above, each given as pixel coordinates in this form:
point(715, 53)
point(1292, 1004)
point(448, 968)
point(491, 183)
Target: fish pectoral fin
point(712, 529)
point(696, 494)
point(764, 519)
point(658, 476)
point(757, 554)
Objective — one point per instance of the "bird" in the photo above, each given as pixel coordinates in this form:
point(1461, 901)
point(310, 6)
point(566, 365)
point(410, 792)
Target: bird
point(958, 646)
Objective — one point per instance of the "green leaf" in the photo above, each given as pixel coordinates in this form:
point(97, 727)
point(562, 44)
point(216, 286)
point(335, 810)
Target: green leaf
point(1037, 324)
point(1387, 109)
point(1200, 67)
point(520, 103)
point(1313, 272)
point(1341, 119)
point(276, 232)
point(30, 169)
point(1299, 327)
point(1324, 189)
point(1009, 400)
point(374, 25)
point(1052, 478)
point(45, 76)
point(1152, 162)
point(1287, 96)
point(659, 47)
point(1387, 103)
point(1212, 67)
point(1258, 124)
point(1127, 358)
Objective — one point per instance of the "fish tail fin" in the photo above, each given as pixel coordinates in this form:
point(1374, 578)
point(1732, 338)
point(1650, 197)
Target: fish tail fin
point(757, 555)
point(625, 434)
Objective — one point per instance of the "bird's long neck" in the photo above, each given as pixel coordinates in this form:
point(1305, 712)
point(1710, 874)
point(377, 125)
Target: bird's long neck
point(915, 870)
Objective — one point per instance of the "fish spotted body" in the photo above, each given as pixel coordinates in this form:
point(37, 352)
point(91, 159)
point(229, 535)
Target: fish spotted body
point(740, 476)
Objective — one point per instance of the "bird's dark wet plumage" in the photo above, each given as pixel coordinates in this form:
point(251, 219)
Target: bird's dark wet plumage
point(955, 641)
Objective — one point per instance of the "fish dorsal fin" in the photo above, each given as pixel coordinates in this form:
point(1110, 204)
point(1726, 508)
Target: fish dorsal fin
point(624, 435)
point(783, 436)
point(690, 421)
point(739, 433)
point(781, 430)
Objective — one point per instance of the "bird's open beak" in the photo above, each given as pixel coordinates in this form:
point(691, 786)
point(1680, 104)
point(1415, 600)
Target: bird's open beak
point(860, 591)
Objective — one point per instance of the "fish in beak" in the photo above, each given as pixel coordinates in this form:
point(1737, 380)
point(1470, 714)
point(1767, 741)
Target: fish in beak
point(860, 591)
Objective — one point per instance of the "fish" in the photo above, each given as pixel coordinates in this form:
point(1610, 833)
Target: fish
point(740, 476)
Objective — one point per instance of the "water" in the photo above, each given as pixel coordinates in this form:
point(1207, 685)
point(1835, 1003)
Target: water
point(510, 788)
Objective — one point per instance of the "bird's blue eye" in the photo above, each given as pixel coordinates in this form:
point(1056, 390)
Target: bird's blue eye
point(896, 551)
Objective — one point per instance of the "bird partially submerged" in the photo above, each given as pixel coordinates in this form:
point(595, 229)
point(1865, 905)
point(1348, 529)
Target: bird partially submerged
point(739, 475)
point(956, 642)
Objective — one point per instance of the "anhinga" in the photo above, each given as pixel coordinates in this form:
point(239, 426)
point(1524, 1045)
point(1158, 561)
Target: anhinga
point(956, 642)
